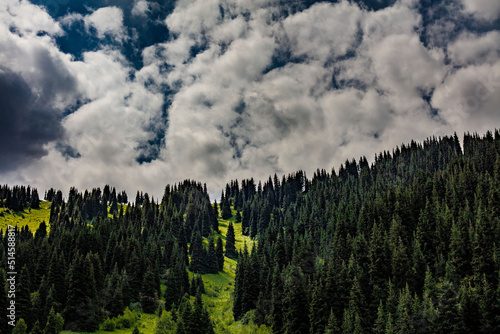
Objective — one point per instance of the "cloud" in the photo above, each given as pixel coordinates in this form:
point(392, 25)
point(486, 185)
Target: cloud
point(28, 123)
point(475, 49)
point(237, 88)
point(141, 8)
point(107, 22)
point(488, 10)
point(333, 33)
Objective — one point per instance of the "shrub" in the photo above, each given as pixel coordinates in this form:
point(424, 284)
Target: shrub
point(127, 320)
point(109, 325)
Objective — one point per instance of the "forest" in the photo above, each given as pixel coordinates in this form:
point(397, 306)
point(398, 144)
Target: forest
point(406, 244)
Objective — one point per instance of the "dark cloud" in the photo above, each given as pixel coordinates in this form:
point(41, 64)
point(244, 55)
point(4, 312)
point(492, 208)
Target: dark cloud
point(27, 122)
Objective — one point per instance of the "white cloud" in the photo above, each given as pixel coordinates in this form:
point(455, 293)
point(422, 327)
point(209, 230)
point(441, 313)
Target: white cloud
point(332, 34)
point(141, 8)
point(107, 21)
point(473, 49)
point(468, 100)
point(27, 19)
point(488, 10)
point(358, 91)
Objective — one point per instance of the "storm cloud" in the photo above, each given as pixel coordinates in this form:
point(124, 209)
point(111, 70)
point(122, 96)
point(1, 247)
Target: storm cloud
point(27, 123)
point(139, 94)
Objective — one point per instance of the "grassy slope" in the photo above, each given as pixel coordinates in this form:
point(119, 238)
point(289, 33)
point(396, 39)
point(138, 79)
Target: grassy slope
point(146, 325)
point(219, 288)
point(218, 300)
point(32, 217)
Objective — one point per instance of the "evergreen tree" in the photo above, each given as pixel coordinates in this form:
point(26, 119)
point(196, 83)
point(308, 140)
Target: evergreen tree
point(23, 298)
point(80, 313)
point(226, 209)
point(230, 242)
point(220, 254)
point(20, 327)
point(3, 301)
point(149, 296)
point(295, 304)
point(55, 323)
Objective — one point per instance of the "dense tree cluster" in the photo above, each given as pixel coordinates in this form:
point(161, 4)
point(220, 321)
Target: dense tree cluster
point(91, 266)
point(19, 198)
point(409, 244)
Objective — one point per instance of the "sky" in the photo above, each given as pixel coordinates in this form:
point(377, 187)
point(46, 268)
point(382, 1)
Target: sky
point(139, 94)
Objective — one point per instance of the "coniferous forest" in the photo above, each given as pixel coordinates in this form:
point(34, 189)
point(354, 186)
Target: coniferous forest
point(409, 243)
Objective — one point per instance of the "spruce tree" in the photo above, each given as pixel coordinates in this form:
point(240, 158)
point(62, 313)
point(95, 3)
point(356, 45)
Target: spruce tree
point(80, 312)
point(23, 298)
point(226, 209)
point(55, 323)
point(20, 327)
point(149, 296)
point(230, 242)
point(198, 255)
point(3, 301)
point(295, 303)
point(220, 254)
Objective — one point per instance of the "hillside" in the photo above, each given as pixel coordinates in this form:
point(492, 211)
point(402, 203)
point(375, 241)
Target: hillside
point(27, 217)
point(406, 244)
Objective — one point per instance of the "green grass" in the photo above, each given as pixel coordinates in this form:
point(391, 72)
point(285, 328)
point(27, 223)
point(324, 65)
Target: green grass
point(30, 217)
point(219, 288)
point(146, 325)
point(218, 298)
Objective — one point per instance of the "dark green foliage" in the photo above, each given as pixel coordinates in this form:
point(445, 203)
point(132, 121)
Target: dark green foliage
point(81, 313)
point(55, 323)
point(220, 254)
point(23, 298)
point(409, 243)
point(203, 260)
point(225, 208)
point(3, 301)
point(149, 294)
point(295, 303)
point(406, 245)
point(20, 327)
point(175, 280)
point(19, 198)
point(230, 242)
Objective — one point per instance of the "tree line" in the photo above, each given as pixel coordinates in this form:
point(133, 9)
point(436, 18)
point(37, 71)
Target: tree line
point(408, 244)
point(19, 198)
point(97, 261)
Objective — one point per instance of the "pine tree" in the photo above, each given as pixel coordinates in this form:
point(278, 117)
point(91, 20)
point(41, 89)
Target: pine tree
point(23, 298)
point(198, 256)
point(295, 304)
point(3, 301)
point(220, 254)
point(277, 301)
point(226, 209)
point(379, 327)
point(20, 328)
point(319, 310)
point(149, 296)
point(36, 328)
point(81, 313)
point(332, 327)
point(212, 258)
point(230, 242)
point(165, 324)
point(55, 323)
